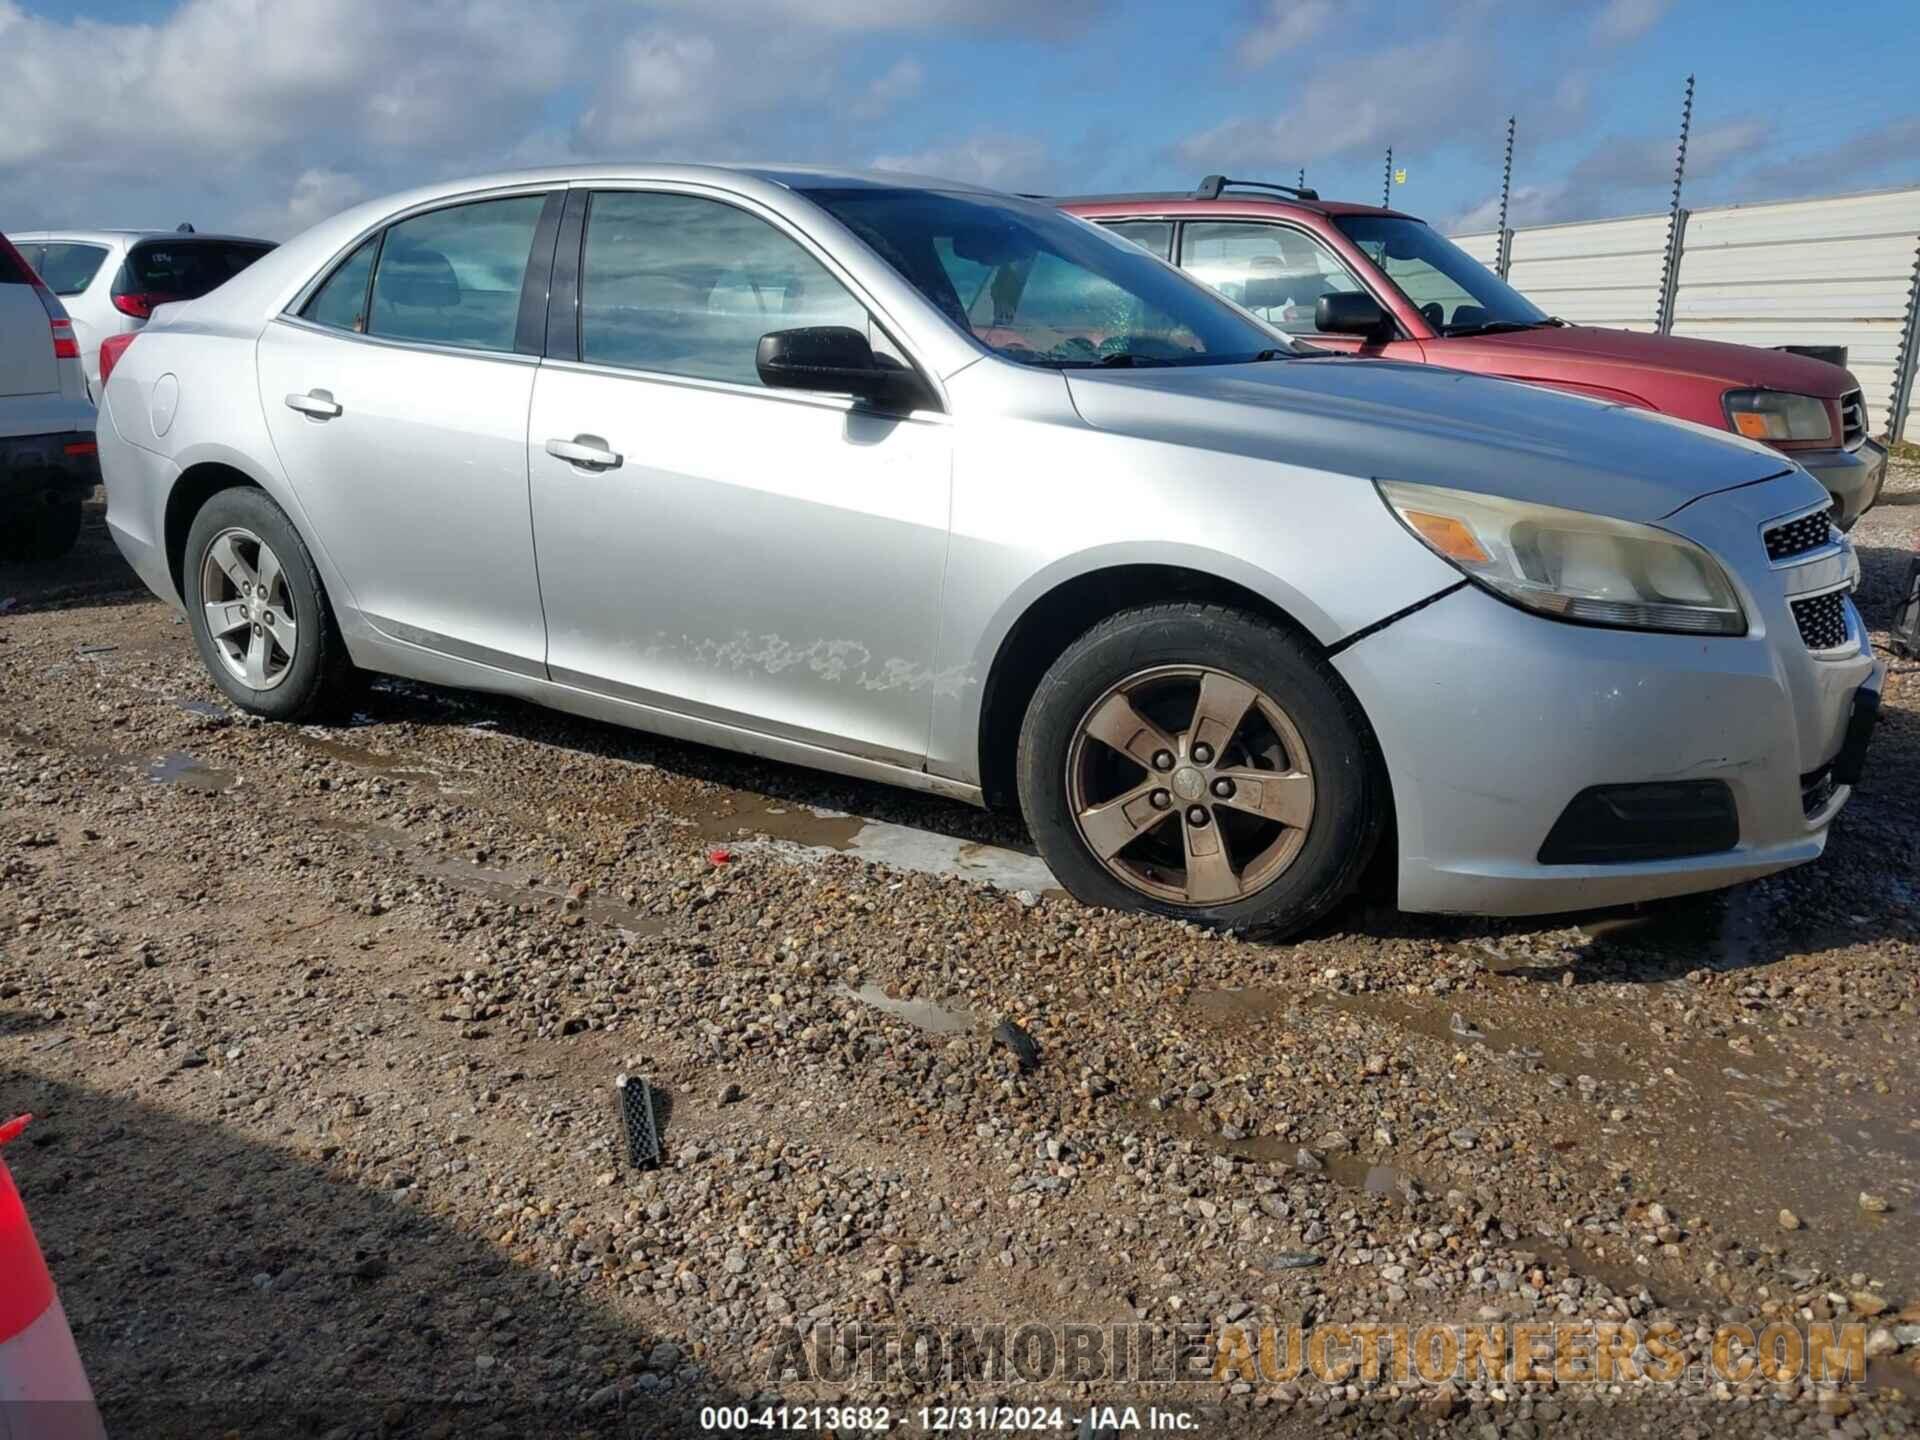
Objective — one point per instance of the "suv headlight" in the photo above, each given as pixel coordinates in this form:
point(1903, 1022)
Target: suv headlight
point(1776, 415)
point(1572, 565)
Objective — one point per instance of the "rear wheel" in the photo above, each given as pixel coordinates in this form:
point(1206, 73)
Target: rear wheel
point(258, 612)
point(1203, 763)
point(43, 528)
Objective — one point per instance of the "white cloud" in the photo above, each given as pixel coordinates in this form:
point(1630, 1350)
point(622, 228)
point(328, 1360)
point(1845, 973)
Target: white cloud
point(1396, 96)
point(1622, 20)
point(1007, 162)
point(1280, 26)
point(666, 81)
point(1045, 17)
point(902, 81)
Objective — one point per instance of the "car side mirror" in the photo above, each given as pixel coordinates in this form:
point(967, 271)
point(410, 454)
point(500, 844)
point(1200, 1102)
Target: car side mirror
point(1351, 312)
point(835, 360)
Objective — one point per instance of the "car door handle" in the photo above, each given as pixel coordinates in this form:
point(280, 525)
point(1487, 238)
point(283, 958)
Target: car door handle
point(589, 452)
point(315, 404)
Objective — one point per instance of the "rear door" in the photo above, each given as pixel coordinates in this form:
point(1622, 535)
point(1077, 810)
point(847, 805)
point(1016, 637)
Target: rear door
point(27, 364)
point(397, 399)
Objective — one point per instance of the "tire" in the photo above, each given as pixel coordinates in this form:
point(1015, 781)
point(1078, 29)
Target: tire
point(315, 681)
point(44, 528)
point(1307, 798)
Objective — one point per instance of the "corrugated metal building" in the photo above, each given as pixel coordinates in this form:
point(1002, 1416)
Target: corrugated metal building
point(1831, 271)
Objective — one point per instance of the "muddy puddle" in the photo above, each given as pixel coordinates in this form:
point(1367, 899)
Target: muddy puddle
point(360, 757)
point(738, 814)
point(922, 1014)
point(188, 772)
point(504, 886)
point(1736, 1134)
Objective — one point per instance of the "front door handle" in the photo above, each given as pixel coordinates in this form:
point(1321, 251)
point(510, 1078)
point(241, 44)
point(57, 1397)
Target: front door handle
point(589, 452)
point(315, 404)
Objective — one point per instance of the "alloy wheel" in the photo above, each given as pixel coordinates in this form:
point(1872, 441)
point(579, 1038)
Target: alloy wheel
point(249, 609)
point(1190, 785)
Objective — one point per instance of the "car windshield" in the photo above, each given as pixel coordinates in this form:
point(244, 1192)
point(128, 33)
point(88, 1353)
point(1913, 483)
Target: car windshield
point(1454, 292)
point(188, 269)
point(1042, 288)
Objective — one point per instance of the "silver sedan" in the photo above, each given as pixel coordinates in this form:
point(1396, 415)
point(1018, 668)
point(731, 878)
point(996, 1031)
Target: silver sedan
point(937, 486)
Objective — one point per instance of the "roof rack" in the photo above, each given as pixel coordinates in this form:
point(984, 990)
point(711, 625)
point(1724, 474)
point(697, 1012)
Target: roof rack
point(1212, 185)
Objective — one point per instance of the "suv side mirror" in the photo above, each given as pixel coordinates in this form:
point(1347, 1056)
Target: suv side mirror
point(835, 360)
point(1351, 312)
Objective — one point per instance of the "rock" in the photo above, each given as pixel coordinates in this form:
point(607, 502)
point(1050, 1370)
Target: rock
point(731, 1093)
point(1789, 1220)
point(1873, 1204)
point(1865, 1302)
point(1019, 1043)
point(1881, 1342)
point(664, 1358)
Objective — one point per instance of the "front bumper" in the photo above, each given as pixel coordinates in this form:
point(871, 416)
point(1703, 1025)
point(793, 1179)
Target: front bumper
point(1853, 477)
point(62, 465)
point(1492, 720)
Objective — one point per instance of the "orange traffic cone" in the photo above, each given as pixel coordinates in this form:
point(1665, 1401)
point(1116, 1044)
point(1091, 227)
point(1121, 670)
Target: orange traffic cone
point(44, 1393)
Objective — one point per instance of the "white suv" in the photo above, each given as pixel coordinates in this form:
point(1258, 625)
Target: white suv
point(49, 462)
point(111, 280)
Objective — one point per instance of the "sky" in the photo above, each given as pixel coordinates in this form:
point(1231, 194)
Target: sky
point(265, 116)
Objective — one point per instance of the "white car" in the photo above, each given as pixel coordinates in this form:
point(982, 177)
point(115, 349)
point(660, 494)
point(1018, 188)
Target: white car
point(111, 280)
point(931, 485)
point(49, 462)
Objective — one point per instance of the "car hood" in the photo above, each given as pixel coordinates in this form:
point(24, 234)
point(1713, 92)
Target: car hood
point(1381, 419)
point(1542, 353)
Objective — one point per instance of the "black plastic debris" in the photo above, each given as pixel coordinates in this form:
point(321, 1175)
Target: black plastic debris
point(637, 1115)
point(1025, 1052)
point(1905, 637)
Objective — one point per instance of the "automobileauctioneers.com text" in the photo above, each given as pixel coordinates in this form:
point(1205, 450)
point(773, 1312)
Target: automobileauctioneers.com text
point(1569, 1352)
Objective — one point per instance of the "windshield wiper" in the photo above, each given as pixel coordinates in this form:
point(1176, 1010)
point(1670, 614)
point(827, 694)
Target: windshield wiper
point(1497, 327)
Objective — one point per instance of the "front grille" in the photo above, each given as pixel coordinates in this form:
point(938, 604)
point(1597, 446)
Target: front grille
point(1796, 537)
point(1822, 620)
point(1853, 418)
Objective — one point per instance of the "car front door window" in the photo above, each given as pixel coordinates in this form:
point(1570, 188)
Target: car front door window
point(1276, 271)
point(681, 285)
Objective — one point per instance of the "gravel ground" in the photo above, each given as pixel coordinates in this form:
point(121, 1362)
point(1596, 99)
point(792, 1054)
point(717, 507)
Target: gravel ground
point(321, 1028)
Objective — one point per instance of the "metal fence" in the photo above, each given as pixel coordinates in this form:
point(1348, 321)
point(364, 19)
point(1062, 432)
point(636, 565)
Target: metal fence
point(1843, 270)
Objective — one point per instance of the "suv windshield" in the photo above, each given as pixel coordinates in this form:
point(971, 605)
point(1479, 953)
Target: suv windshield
point(1454, 292)
point(1042, 288)
point(186, 269)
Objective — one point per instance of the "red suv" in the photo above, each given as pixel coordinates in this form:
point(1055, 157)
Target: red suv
point(1375, 282)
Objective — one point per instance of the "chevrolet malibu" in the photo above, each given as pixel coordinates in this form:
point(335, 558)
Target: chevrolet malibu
point(940, 487)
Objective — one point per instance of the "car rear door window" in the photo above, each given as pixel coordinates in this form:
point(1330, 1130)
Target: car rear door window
point(67, 267)
point(1154, 236)
point(682, 285)
point(1276, 271)
point(453, 276)
point(186, 269)
point(341, 302)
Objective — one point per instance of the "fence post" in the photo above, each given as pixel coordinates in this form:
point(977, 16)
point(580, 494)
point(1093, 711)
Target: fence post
point(1502, 257)
point(1905, 357)
point(1676, 224)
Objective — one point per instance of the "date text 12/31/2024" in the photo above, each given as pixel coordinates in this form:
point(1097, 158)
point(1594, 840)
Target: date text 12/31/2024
point(947, 1419)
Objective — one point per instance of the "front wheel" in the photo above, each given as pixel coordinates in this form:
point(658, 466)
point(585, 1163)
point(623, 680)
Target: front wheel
point(259, 615)
point(1204, 763)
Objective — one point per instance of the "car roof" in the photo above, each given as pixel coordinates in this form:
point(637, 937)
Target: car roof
point(115, 237)
point(1233, 202)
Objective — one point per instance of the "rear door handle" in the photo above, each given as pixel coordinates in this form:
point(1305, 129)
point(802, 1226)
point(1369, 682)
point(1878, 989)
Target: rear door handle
point(315, 404)
point(589, 452)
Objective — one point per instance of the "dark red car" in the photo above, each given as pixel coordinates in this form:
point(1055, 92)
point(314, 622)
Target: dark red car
point(1376, 282)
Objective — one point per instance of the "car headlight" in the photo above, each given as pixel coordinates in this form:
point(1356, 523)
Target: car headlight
point(1572, 565)
point(1776, 415)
